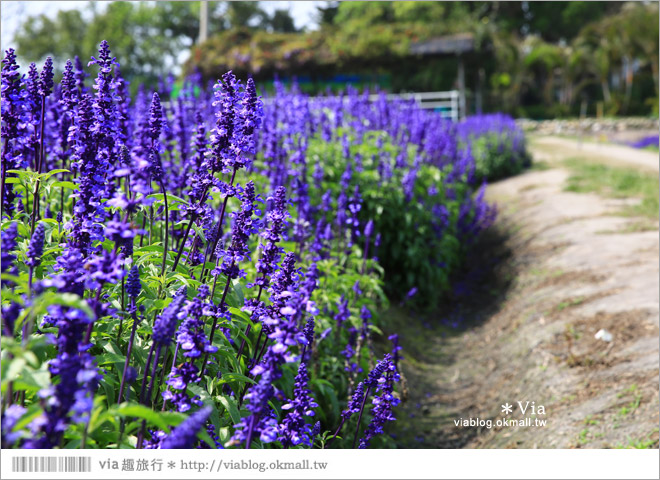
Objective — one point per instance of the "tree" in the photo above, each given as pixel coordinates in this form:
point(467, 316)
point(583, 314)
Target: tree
point(325, 15)
point(146, 38)
point(281, 21)
point(245, 14)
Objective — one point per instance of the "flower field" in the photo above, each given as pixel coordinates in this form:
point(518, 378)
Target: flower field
point(212, 269)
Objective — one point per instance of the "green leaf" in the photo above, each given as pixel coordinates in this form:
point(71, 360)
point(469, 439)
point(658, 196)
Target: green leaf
point(47, 175)
point(207, 400)
point(230, 377)
point(65, 184)
point(200, 233)
point(33, 380)
point(22, 173)
point(231, 407)
point(171, 198)
point(136, 410)
point(110, 358)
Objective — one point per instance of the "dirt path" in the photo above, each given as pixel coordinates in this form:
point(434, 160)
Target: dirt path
point(559, 268)
point(556, 148)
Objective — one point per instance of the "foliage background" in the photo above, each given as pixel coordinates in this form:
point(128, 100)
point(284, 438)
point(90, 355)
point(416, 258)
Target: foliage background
point(535, 59)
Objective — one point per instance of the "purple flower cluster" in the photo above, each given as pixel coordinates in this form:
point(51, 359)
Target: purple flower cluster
point(144, 189)
point(294, 430)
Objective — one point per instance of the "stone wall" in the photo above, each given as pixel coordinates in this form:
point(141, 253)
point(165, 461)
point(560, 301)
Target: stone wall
point(589, 125)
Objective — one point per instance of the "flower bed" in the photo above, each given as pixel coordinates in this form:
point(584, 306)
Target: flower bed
point(209, 272)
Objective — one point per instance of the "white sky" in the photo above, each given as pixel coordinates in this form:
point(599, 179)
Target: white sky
point(12, 11)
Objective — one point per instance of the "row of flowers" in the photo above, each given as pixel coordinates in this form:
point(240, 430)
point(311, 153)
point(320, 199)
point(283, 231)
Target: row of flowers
point(206, 271)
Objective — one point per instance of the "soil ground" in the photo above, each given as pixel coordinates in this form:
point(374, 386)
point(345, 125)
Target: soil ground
point(556, 268)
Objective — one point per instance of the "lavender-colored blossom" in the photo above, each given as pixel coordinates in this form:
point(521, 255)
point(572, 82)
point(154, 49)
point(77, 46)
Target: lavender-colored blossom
point(396, 348)
point(80, 75)
point(133, 286)
point(10, 416)
point(244, 226)
point(46, 83)
point(36, 246)
point(381, 380)
point(343, 312)
point(210, 429)
point(221, 153)
point(181, 376)
point(165, 323)
point(16, 128)
point(355, 402)
point(276, 220)
point(9, 235)
point(191, 338)
point(155, 118)
point(293, 429)
point(185, 434)
point(260, 423)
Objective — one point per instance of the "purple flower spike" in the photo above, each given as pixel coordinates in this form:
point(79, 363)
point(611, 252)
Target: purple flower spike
point(46, 83)
point(36, 247)
point(133, 286)
point(155, 118)
point(293, 430)
point(185, 435)
point(165, 324)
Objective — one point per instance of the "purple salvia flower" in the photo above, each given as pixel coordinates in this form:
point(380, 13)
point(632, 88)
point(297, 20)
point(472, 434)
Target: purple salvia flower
point(343, 312)
point(88, 212)
point(276, 219)
point(365, 315)
point(369, 229)
point(316, 431)
point(133, 286)
point(123, 107)
point(106, 115)
point(210, 429)
point(16, 127)
point(185, 434)
point(244, 226)
point(9, 235)
point(293, 429)
point(10, 416)
point(80, 75)
point(76, 368)
point(36, 247)
point(32, 87)
point(308, 331)
point(165, 323)
point(249, 114)
point(179, 378)
point(396, 348)
point(190, 336)
point(222, 135)
point(46, 83)
point(355, 402)
point(381, 381)
point(374, 377)
point(155, 118)
point(261, 422)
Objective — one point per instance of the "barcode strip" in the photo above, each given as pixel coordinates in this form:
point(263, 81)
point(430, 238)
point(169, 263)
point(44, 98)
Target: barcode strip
point(51, 464)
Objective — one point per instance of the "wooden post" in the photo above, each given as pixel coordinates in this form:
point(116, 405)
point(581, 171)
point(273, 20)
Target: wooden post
point(203, 21)
point(461, 87)
point(480, 87)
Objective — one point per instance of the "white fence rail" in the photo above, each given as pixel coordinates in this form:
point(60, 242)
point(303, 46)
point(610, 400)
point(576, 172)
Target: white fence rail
point(446, 103)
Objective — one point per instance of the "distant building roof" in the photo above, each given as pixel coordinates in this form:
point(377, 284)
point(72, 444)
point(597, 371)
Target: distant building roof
point(449, 44)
